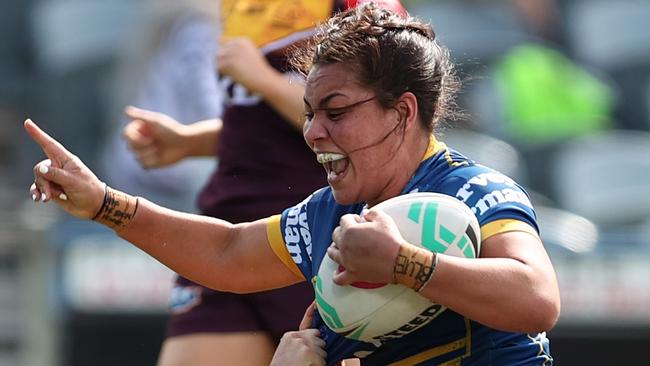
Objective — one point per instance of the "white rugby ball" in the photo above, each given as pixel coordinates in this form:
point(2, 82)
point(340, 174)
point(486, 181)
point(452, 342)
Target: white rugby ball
point(380, 312)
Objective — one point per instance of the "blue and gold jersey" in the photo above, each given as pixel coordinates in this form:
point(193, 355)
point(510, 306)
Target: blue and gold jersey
point(302, 234)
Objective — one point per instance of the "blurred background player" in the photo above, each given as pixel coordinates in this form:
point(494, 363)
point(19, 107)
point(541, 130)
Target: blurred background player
point(169, 67)
point(263, 167)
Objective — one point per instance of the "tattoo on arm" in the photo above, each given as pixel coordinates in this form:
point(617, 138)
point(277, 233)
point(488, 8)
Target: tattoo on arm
point(117, 210)
point(414, 266)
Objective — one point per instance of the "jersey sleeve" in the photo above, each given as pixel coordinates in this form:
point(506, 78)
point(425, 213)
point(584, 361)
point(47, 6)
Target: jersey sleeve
point(290, 236)
point(276, 240)
point(499, 203)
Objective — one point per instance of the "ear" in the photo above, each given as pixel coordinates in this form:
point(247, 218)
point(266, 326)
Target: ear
point(407, 108)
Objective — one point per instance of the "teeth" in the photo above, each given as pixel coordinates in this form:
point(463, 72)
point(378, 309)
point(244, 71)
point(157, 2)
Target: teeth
point(328, 157)
point(331, 175)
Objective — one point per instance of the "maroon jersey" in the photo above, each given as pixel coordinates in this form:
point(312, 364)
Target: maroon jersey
point(265, 165)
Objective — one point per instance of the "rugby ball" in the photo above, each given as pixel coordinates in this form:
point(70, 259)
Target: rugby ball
point(373, 312)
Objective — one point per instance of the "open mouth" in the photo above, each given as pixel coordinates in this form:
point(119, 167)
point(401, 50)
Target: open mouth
point(335, 165)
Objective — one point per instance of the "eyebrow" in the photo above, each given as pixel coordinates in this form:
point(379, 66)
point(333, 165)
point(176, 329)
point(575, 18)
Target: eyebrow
point(323, 102)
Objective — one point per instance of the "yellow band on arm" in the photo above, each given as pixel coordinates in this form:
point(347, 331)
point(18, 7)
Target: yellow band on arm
point(274, 235)
point(506, 225)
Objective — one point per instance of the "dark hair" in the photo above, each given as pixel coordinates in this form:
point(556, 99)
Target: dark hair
point(391, 55)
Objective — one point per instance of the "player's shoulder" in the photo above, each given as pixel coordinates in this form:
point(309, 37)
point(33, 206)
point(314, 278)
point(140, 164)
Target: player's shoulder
point(321, 198)
point(321, 207)
point(449, 169)
point(463, 181)
point(476, 174)
point(480, 187)
point(321, 201)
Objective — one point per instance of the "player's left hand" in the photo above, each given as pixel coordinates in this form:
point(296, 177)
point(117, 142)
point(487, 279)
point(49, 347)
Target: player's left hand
point(366, 247)
point(302, 347)
point(239, 59)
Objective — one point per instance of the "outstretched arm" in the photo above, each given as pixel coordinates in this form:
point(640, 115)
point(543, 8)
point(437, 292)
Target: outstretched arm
point(213, 252)
point(210, 251)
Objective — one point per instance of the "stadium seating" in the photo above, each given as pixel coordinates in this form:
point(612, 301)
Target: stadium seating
point(605, 177)
point(608, 35)
point(564, 232)
point(487, 150)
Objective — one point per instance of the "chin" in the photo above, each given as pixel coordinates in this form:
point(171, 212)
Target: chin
point(344, 199)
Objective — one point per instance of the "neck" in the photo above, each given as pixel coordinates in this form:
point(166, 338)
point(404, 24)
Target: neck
point(406, 161)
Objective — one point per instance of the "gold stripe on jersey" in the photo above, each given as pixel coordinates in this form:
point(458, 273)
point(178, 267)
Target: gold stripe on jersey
point(274, 236)
point(468, 335)
point(433, 147)
point(450, 160)
point(454, 362)
point(504, 226)
point(465, 342)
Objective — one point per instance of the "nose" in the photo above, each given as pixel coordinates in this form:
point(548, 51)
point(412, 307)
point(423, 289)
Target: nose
point(313, 131)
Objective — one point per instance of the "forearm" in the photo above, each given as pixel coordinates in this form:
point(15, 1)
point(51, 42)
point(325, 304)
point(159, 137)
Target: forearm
point(502, 293)
point(285, 96)
point(202, 137)
point(511, 287)
point(213, 252)
point(191, 245)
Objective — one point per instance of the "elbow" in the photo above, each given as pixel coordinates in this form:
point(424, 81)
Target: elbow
point(546, 314)
point(539, 309)
point(552, 314)
point(545, 322)
point(544, 303)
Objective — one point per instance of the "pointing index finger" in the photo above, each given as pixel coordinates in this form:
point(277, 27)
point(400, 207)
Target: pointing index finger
point(137, 113)
point(52, 148)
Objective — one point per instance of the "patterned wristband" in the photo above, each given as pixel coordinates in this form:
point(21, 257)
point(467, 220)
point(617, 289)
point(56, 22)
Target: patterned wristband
point(414, 266)
point(117, 210)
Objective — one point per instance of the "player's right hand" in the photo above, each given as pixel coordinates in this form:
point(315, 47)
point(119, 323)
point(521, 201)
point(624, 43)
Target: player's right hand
point(366, 246)
point(64, 178)
point(156, 139)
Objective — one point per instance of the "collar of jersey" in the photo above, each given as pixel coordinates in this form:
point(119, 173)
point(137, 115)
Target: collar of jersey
point(433, 148)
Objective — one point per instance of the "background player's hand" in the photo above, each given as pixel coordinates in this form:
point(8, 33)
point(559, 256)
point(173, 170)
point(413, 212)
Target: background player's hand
point(366, 247)
point(302, 347)
point(156, 139)
point(64, 178)
point(244, 63)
